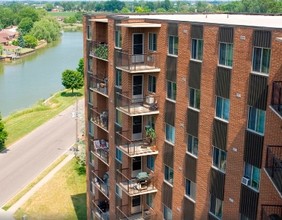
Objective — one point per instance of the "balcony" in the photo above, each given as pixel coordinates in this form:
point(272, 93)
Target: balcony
point(137, 106)
point(123, 212)
point(99, 85)
point(133, 148)
point(273, 166)
point(99, 50)
point(101, 150)
point(99, 119)
point(101, 209)
point(143, 183)
point(271, 212)
point(276, 100)
point(137, 63)
point(102, 183)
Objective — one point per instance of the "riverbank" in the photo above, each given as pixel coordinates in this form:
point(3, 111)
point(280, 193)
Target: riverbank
point(23, 122)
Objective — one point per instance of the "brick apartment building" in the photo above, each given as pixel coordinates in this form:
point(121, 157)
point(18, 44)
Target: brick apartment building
point(209, 87)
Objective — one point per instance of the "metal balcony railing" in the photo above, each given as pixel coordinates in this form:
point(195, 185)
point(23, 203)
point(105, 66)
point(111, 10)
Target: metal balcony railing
point(147, 105)
point(276, 99)
point(100, 148)
point(133, 148)
point(124, 213)
point(271, 212)
point(101, 209)
point(143, 183)
point(274, 165)
point(137, 62)
point(99, 50)
point(99, 118)
point(98, 84)
point(102, 183)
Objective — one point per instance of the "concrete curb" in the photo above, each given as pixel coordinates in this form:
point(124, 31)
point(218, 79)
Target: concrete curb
point(8, 215)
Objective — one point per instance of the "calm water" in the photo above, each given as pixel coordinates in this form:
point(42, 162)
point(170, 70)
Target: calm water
point(25, 81)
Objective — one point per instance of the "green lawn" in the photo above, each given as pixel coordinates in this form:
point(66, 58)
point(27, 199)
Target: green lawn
point(63, 197)
point(62, 14)
point(23, 122)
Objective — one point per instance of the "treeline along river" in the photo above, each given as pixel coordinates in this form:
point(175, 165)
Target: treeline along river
point(37, 76)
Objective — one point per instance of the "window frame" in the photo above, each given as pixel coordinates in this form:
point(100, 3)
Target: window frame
point(261, 60)
point(192, 190)
point(194, 102)
point(220, 164)
point(197, 48)
point(168, 128)
point(173, 48)
point(225, 59)
point(118, 39)
point(221, 115)
point(118, 191)
point(118, 118)
point(152, 83)
point(150, 200)
point(216, 206)
point(251, 176)
point(119, 155)
point(167, 210)
point(171, 90)
point(257, 125)
point(150, 162)
point(190, 150)
point(168, 174)
point(152, 41)
point(118, 79)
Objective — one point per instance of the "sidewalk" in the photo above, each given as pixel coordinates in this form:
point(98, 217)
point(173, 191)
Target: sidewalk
point(8, 215)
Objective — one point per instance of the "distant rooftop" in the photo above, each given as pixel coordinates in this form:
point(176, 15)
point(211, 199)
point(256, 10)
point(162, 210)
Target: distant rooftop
point(267, 21)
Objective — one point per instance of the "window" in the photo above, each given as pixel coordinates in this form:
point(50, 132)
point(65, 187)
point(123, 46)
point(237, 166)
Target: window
point(219, 159)
point(194, 100)
point(91, 128)
point(118, 39)
point(192, 145)
point(149, 200)
point(90, 64)
point(118, 191)
point(151, 162)
point(190, 189)
point(118, 78)
point(168, 174)
point(226, 54)
point(150, 121)
point(256, 120)
point(173, 45)
point(153, 41)
point(170, 133)
point(91, 158)
point(90, 97)
point(252, 174)
point(171, 90)
point(261, 60)
point(118, 117)
point(152, 84)
point(119, 155)
point(89, 33)
point(136, 201)
point(216, 207)
point(167, 213)
point(222, 108)
point(197, 49)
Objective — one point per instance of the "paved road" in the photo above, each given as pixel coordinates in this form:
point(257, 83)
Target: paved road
point(28, 157)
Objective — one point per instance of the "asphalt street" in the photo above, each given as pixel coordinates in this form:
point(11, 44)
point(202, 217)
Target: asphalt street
point(28, 157)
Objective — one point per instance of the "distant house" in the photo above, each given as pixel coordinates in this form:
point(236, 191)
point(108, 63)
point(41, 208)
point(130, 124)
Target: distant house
point(7, 35)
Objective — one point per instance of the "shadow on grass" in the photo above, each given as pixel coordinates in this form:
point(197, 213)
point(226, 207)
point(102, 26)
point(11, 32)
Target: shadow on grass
point(70, 94)
point(79, 203)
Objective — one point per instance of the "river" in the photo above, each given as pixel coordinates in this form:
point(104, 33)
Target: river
point(37, 76)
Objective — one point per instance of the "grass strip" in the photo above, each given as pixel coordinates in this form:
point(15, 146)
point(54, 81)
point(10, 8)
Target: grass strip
point(62, 197)
point(23, 122)
point(33, 183)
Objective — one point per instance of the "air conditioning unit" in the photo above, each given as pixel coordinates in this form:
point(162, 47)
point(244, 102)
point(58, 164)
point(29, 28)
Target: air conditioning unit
point(245, 181)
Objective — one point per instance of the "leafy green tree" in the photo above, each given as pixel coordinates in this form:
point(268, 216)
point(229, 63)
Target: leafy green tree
point(25, 25)
point(21, 42)
point(7, 17)
point(79, 16)
point(48, 6)
point(1, 49)
point(125, 10)
point(80, 67)
point(166, 5)
point(46, 29)
point(113, 4)
point(72, 80)
point(70, 20)
point(30, 41)
point(161, 10)
point(3, 133)
point(140, 9)
point(28, 12)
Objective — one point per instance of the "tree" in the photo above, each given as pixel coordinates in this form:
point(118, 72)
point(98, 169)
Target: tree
point(30, 41)
point(1, 49)
point(48, 6)
point(80, 67)
point(21, 42)
point(72, 80)
point(3, 133)
point(28, 12)
point(25, 25)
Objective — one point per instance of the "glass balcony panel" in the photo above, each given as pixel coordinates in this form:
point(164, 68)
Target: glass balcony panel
point(99, 50)
point(99, 118)
point(100, 149)
point(124, 213)
point(134, 63)
point(102, 183)
point(101, 209)
point(99, 84)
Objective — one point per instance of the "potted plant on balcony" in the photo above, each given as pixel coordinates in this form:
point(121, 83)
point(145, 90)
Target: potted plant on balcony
point(151, 136)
